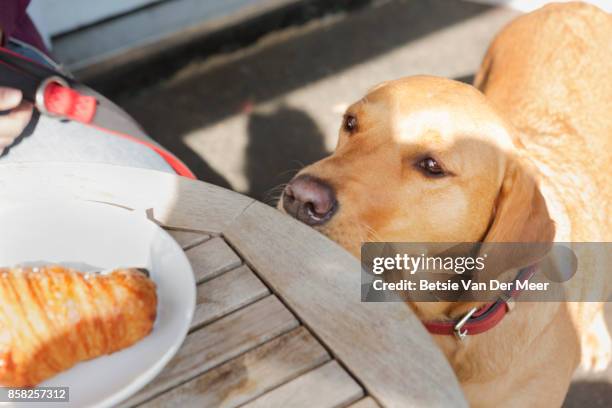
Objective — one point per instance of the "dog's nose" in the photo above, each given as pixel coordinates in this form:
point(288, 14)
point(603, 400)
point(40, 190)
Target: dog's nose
point(310, 200)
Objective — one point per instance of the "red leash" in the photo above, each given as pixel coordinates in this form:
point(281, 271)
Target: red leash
point(53, 95)
point(61, 100)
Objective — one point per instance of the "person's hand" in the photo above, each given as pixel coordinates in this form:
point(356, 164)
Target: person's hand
point(17, 114)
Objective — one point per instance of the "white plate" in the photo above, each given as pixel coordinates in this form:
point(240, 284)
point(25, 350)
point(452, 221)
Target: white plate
point(103, 236)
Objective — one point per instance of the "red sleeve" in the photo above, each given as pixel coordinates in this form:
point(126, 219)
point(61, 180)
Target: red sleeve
point(15, 22)
point(11, 13)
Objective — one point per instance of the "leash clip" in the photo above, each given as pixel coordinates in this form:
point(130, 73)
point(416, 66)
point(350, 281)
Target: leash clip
point(461, 335)
point(39, 100)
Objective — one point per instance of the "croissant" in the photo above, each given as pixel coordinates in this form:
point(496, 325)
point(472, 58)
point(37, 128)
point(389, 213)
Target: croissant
point(51, 318)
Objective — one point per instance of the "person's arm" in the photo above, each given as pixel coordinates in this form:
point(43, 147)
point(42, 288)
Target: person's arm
point(15, 116)
point(15, 113)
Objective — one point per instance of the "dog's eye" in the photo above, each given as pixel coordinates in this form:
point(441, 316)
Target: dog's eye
point(431, 167)
point(350, 123)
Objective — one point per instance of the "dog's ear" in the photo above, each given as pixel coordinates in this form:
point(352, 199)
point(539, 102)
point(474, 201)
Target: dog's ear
point(520, 213)
point(520, 216)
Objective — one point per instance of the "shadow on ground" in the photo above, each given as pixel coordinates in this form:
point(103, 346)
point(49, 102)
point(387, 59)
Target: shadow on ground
point(593, 394)
point(280, 144)
point(204, 95)
point(592, 390)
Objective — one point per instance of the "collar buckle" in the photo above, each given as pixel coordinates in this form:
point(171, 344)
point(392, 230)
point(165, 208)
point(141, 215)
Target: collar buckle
point(461, 335)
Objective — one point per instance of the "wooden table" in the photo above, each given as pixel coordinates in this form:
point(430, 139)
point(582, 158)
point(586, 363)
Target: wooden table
point(279, 321)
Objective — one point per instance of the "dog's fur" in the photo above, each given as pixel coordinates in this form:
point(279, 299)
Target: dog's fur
point(528, 161)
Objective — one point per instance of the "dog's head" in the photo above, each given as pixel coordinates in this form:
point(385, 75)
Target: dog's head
point(421, 159)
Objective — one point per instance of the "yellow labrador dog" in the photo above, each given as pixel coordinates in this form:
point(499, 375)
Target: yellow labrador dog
point(524, 156)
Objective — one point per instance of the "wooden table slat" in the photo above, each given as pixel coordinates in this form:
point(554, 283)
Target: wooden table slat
point(250, 375)
point(227, 293)
point(327, 386)
point(219, 342)
point(211, 259)
point(322, 286)
point(188, 239)
point(367, 402)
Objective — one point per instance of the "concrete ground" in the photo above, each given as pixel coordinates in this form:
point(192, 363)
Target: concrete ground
point(249, 119)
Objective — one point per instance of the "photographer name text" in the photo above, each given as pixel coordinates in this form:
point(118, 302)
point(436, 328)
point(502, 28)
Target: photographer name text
point(424, 284)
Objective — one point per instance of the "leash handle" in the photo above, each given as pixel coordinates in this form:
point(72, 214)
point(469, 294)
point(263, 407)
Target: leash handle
point(54, 97)
point(11, 77)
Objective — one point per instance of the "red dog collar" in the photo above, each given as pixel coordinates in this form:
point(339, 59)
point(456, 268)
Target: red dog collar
point(479, 320)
